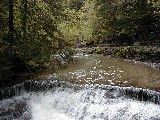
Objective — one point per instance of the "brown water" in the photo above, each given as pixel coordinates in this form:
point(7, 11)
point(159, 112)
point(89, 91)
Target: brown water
point(54, 99)
point(98, 69)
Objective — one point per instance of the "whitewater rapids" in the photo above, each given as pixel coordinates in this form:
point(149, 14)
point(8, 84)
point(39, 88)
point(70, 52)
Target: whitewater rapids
point(64, 101)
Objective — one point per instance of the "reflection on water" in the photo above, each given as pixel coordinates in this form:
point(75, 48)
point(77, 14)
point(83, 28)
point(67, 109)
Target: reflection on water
point(97, 69)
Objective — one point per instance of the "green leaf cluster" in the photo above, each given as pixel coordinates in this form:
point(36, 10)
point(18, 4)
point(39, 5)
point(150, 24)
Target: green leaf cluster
point(36, 36)
point(129, 21)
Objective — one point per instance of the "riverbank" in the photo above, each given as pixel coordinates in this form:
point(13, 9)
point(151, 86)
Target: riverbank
point(145, 55)
point(99, 69)
point(18, 74)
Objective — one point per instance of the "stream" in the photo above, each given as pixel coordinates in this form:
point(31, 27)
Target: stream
point(93, 87)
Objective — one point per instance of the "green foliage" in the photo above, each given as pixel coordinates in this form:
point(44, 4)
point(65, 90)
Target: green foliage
point(140, 53)
point(36, 35)
point(80, 21)
point(44, 28)
point(128, 21)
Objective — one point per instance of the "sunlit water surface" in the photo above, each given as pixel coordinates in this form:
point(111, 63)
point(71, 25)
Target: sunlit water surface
point(98, 69)
point(81, 99)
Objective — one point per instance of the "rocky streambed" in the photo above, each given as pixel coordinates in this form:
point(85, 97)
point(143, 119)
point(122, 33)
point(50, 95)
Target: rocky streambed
point(146, 55)
point(98, 69)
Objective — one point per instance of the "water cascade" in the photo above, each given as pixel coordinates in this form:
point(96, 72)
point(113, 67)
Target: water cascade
point(59, 100)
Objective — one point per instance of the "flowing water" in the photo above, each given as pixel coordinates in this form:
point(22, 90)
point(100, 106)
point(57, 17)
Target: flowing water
point(94, 88)
point(97, 69)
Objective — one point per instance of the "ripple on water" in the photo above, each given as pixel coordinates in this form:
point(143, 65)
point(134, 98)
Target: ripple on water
point(110, 71)
point(62, 102)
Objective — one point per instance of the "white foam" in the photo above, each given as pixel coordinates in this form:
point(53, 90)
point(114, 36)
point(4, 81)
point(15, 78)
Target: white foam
point(89, 105)
point(85, 104)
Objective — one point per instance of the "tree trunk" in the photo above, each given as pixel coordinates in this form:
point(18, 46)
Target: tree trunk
point(11, 27)
point(24, 24)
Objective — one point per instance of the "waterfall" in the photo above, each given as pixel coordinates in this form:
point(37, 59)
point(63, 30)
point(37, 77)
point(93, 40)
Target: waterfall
point(59, 100)
point(36, 86)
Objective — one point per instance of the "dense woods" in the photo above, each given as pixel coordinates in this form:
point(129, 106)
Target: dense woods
point(125, 22)
point(33, 31)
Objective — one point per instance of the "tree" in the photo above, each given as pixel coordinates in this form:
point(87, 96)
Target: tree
point(31, 33)
point(11, 28)
point(81, 18)
point(24, 24)
point(128, 21)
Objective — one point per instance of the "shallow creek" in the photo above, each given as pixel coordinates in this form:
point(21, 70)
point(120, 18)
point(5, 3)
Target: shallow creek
point(98, 69)
point(93, 87)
